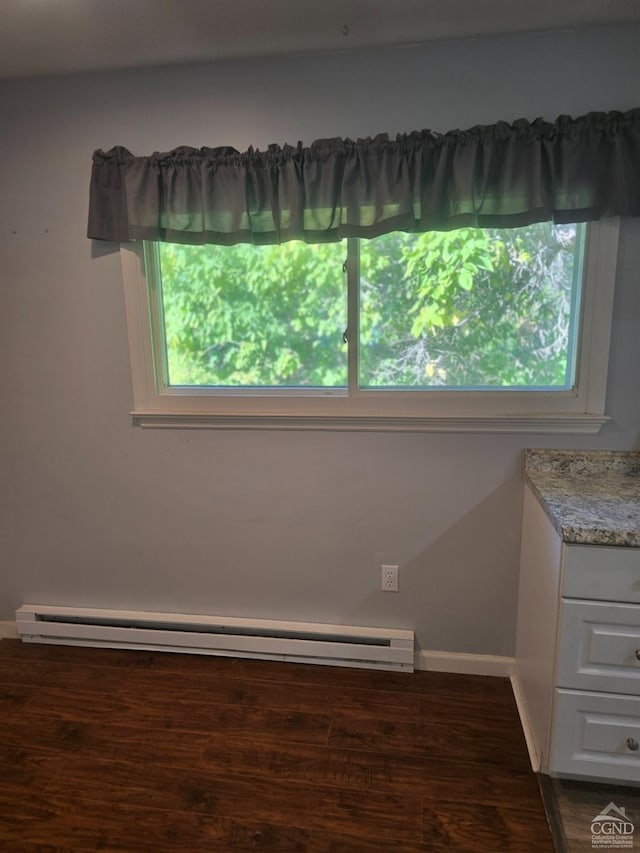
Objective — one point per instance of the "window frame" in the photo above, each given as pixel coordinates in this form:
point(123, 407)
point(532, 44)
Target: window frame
point(580, 410)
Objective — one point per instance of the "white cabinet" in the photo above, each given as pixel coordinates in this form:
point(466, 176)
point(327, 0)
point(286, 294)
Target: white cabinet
point(577, 672)
point(599, 646)
point(596, 735)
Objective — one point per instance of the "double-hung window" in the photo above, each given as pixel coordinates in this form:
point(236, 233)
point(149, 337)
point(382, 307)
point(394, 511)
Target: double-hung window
point(469, 329)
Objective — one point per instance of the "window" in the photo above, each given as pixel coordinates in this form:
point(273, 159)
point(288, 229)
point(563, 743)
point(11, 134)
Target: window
point(461, 330)
point(471, 309)
point(251, 317)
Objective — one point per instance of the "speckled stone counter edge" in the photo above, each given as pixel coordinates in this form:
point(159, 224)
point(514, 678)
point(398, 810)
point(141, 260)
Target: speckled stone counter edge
point(582, 461)
point(561, 478)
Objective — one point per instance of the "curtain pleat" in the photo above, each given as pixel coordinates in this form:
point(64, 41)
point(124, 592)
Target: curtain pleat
point(498, 176)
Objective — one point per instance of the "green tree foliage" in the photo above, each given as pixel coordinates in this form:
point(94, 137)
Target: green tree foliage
point(249, 315)
point(467, 308)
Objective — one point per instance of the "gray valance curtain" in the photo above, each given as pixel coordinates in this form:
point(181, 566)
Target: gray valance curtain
point(502, 175)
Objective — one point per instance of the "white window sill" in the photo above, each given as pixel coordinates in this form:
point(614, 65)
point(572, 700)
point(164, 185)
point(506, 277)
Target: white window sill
point(576, 424)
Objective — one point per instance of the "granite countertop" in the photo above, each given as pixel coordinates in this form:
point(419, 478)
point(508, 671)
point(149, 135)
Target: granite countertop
point(592, 497)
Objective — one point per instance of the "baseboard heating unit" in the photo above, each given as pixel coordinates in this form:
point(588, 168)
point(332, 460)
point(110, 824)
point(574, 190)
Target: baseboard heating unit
point(304, 642)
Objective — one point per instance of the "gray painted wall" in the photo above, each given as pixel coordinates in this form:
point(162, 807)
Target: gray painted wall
point(276, 525)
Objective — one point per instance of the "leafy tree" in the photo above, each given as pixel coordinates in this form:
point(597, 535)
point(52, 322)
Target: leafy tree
point(470, 308)
point(248, 315)
point(467, 308)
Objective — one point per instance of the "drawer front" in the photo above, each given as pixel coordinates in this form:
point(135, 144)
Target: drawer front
point(599, 647)
point(597, 735)
point(601, 573)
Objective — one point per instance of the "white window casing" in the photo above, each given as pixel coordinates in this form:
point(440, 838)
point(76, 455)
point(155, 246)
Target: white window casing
point(580, 410)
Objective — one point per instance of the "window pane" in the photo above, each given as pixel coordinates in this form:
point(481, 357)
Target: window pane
point(471, 308)
point(247, 316)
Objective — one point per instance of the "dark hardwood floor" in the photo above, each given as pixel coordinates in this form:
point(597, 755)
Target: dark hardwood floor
point(134, 751)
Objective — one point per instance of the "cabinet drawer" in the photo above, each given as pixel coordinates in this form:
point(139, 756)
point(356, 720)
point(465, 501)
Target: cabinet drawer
point(602, 573)
point(599, 646)
point(596, 734)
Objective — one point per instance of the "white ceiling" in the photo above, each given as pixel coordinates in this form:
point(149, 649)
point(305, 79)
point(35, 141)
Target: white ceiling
point(62, 36)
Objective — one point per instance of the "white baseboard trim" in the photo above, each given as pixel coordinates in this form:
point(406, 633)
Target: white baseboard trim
point(534, 758)
point(465, 664)
point(8, 630)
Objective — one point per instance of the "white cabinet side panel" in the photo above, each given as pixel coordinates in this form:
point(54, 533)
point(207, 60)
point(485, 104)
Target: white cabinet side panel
point(538, 603)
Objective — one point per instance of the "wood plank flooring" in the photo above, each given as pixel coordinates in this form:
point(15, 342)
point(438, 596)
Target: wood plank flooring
point(131, 751)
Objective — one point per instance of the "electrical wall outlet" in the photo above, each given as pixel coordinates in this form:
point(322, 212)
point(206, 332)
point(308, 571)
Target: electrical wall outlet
point(389, 578)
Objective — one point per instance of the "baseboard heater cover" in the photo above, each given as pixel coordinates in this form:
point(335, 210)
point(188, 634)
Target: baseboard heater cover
point(303, 642)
